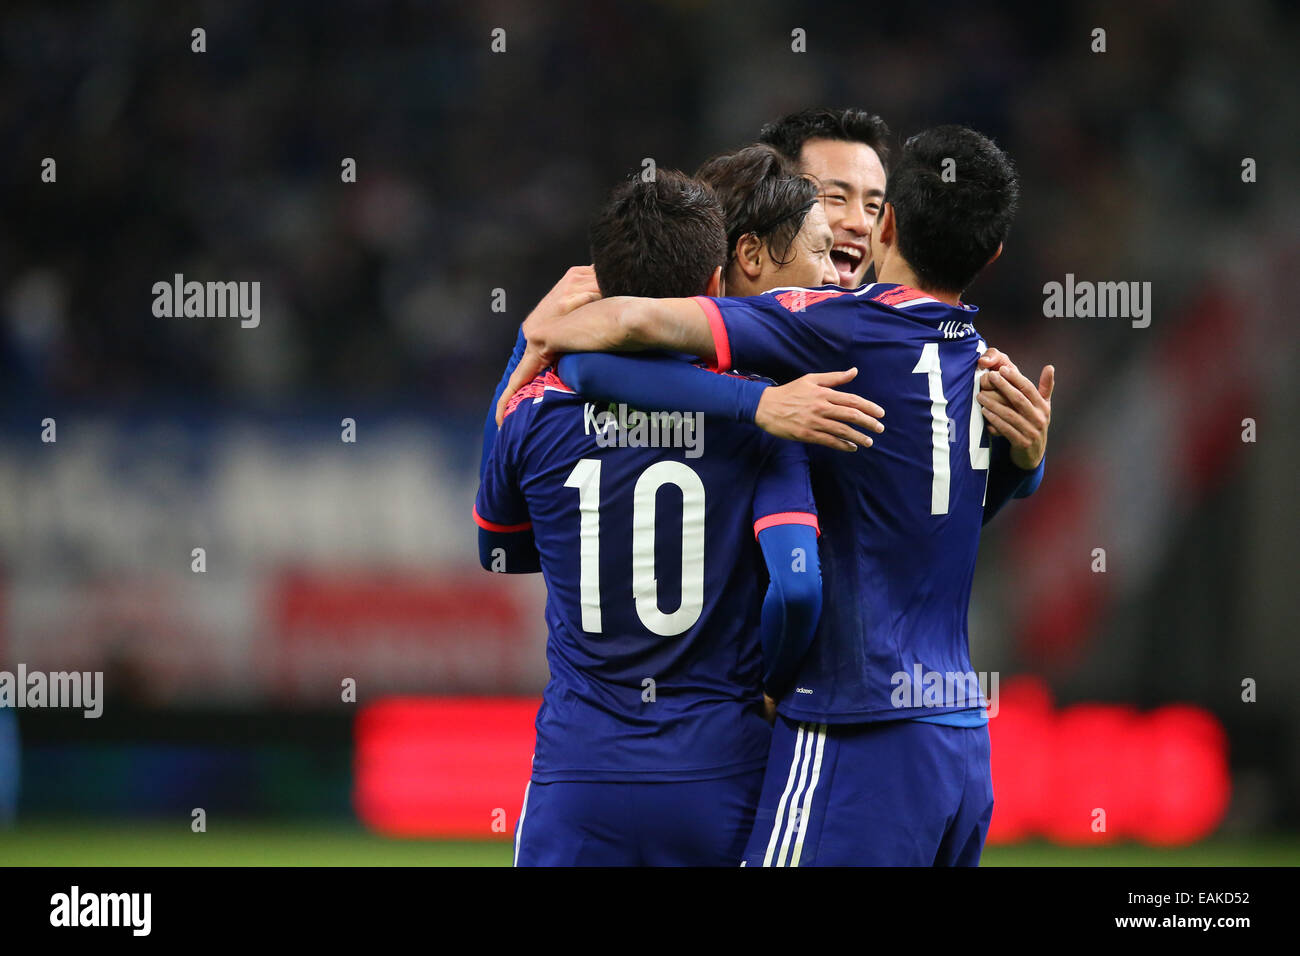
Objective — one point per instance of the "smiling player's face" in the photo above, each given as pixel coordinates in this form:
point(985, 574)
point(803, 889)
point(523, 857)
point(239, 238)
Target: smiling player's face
point(809, 256)
point(852, 182)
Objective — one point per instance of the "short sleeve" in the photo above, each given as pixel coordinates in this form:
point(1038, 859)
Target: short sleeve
point(500, 504)
point(784, 333)
point(784, 492)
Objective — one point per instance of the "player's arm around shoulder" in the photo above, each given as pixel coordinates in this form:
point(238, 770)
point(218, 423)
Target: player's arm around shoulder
point(618, 324)
point(623, 324)
point(809, 409)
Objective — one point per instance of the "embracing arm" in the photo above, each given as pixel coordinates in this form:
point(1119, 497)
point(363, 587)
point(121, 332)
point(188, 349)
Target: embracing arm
point(793, 603)
point(1008, 480)
point(576, 287)
point(619, 324)
point(1018, 414)
point(624, 324)
point(661, 383)
point(809, 409)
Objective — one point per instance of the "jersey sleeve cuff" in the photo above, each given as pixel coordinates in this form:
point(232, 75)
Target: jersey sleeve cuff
point(499, 528)
point(787, 517)
point(1031, 480)
point(718, 328)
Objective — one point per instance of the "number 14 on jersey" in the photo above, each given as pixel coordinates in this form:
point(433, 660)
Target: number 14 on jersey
point(929, 365)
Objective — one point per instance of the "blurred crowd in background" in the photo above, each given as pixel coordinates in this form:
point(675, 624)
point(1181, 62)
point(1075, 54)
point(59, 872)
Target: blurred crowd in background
point(479, 170)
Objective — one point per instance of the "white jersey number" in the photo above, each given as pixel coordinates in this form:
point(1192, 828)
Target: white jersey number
point(929, 365)
point(645, 586)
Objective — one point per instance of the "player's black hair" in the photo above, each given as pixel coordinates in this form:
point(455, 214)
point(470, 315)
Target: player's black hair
point(661, 238)
point(950, 226)
point(789, 133)
point(761, 192)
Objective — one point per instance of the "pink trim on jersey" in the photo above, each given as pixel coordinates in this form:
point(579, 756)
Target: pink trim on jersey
point(903, 295)
point(787, 517)
point(796, 300)
point(551, 379)
point(721, 344)
point(501, 528)
point(534, 389)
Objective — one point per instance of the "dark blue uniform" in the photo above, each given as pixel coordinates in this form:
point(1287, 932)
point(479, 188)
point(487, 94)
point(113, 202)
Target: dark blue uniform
point(651, 742)
point(882, 752)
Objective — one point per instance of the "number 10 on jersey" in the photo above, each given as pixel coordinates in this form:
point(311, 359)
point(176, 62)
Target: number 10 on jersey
point(645, 586)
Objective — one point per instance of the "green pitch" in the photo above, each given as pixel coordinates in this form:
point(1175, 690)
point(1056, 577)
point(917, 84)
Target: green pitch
point(135, 843)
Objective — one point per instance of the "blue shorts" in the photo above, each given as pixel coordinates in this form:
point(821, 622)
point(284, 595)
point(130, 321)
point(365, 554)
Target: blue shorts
point(891, 793)
point(687, 823)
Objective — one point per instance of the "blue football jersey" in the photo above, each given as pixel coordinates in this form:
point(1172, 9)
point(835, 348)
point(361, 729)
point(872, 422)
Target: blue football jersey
point(901, 519)
point(646, 528)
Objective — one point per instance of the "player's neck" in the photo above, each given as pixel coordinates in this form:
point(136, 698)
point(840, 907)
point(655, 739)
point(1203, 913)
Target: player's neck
point(895, 269)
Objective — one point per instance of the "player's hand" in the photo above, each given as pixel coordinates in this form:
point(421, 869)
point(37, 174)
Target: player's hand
point(769, 709)
point(810, 410)
point(1018, 410)
point(576, 288)
point(992, 358)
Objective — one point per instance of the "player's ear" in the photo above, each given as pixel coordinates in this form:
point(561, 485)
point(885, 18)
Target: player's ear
point(715, 286)
point(749, 255)
point(995, 256)
point(885, 227)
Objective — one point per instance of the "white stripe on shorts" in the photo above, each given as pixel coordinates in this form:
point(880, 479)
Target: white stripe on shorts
point(808, 797)
point(789, 785)
point(519, 830)
point(793, 820)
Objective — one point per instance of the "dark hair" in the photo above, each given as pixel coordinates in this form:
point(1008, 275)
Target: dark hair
point(661, 238)
point(948, 231)
point(789, 133)
point(761, 192)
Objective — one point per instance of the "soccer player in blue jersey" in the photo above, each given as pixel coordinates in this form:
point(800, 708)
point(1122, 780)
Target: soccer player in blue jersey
point(861, 773)
point(843, 152)
point(768, 245)
point(652, 737)
point(846, 151)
